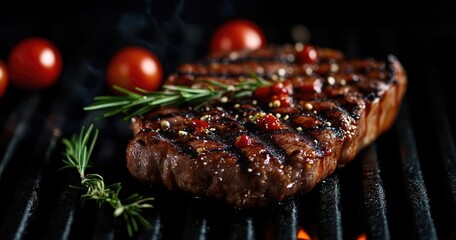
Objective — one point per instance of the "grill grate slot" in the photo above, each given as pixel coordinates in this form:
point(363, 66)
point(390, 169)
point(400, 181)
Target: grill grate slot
point(374, 196)
point(416, 194)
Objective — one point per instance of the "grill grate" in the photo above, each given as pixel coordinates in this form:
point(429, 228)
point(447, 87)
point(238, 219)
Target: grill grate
point(383, 194)
point(417, 198)
point(374, 196)
point(329, 209)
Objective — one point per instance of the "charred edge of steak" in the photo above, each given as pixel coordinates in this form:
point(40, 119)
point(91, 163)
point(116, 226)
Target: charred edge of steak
point(310, 144)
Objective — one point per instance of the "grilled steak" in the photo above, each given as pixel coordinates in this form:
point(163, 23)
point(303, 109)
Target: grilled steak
point(252, 153)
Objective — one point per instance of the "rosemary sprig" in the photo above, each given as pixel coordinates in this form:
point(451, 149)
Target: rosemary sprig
point(77, 154)
point(134, 104)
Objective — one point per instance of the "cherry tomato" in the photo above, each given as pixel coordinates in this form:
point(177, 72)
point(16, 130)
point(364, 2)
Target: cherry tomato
point(34, 63)
point(135, 67)
point(3, 78)
point(237, 35)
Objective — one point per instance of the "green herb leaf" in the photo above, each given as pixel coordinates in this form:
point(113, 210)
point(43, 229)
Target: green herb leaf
point(77, 155)
point(134, 104)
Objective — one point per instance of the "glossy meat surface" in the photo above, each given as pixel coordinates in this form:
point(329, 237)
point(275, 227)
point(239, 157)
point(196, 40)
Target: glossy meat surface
point(338, 107)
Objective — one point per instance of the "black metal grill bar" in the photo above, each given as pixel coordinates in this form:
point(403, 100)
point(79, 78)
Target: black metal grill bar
point(329, 212)
point(286, 221)
point(155, 232)
point(444, 137)
point(63, 217)
point(106, 225)
point(241, 226)
point(28, 196)
point(373, 196)
point(25, 212)
point(23, 208)
point(15, 129)
point(196, 224)
point(416, 193)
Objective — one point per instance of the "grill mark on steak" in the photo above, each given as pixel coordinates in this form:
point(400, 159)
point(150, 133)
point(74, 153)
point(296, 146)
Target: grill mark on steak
point(268, 138)
point(267, 67)
point(357, 101)
point(261, 138)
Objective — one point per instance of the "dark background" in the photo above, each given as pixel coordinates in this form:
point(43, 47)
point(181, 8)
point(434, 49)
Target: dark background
point(90, 32)
point(180, 30)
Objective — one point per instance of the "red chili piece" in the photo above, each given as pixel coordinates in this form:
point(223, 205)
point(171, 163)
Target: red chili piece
point(279, 91)
point(285, 99)
point(263, 94)
point(311, 85)
point(243, 141)
point(199, 125)
point(308, 54)
point(268, 122)
point(282, 87)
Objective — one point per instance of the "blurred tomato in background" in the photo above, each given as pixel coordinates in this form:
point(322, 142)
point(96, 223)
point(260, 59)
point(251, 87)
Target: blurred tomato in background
point(34, 64)
point(238, 34)
point(135, 67)
point(3, 78)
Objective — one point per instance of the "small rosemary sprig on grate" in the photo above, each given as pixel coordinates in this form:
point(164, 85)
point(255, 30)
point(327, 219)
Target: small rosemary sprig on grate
point(77, 154)
point(134, 104)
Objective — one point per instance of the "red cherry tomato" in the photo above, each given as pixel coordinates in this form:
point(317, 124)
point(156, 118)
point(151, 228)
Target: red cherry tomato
point(34, 64)
point(3, 78)
point(237, 35)
point(135, 67)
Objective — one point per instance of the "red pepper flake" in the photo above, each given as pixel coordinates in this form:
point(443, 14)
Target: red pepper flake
point(267, 94)
point(243, 141)
point(308, 54)
point(263, 94)
point(284, 99)
point(327, 151)
point(199, 125)
point(268, 122)
point(285, 87)
point(196, 123)
point(311, 85)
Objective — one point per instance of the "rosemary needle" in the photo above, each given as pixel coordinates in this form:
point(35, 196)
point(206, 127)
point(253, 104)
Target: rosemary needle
point(77, 155)
point(134, 104)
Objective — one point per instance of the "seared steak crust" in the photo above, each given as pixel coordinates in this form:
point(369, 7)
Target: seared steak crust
point(339, 107)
